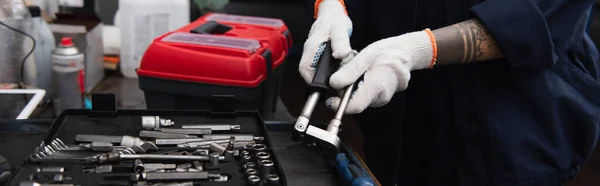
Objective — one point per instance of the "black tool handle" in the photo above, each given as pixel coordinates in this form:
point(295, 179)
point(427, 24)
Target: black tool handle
point(327, 64)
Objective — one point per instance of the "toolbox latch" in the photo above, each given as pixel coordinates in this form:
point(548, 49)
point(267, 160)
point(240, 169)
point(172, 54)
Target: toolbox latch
point(267, 54)
point(103, 105)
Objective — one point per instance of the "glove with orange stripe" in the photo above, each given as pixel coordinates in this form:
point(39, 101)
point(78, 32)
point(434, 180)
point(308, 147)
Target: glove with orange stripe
point(332, 24)
point(386, 66)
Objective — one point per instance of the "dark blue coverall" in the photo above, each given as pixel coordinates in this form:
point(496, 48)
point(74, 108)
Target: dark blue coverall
point(531, 118)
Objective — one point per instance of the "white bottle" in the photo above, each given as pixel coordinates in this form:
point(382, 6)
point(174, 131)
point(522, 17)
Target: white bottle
point(140, 21)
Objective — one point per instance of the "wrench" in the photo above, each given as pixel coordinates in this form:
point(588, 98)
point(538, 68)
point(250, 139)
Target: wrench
point(122, 140)
point(328, 140)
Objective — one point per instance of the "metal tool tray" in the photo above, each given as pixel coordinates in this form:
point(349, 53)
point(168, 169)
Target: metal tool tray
point(128, 122)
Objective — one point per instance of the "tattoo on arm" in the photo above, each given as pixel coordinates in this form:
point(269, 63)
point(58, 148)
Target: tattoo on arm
point(464, 42)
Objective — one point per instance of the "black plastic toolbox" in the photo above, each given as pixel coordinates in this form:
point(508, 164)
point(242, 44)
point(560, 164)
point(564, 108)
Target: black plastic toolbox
point(128, 122)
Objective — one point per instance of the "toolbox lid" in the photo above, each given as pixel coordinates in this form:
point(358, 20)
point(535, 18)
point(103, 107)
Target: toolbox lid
point(248, 45)
point(245, 19)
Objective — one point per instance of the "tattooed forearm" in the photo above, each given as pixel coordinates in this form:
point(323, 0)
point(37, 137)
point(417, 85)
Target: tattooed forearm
point(465, 42)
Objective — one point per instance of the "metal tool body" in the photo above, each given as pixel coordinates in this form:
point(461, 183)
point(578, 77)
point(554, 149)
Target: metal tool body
point(212, 138)
point(249, 165)
point(189, 142)
point(98, 169)
point(172, 176)
point(51, 169)
point(251, 171)
point(143, 183)
point(262, 156)
point(98, 146)
point(266, 167)
point(206, 144)
point(158, 166)
point(246, 159)
point(186, 131)
point(257, 148)
point(32, 183)
point(155, 122)
point(139, 166)
point(213, 127)
point(238, 137)
point(215, 147)
point(201, 144)
point(94, 146)
point(327, 140)
point(254, 180)
point(213, 161)
point(273, 179)
point(122, 140)
point(164, 135)
point(113, 157)
point(198, 165)
point(57, 178)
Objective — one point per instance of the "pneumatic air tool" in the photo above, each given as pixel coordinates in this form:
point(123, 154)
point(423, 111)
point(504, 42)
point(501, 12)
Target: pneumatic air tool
point(324, 139)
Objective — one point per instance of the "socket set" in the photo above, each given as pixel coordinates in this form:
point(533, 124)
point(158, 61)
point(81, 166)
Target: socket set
point(152, 148)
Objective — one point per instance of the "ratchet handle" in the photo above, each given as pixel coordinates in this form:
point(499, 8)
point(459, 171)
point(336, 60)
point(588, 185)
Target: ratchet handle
point(327, 64)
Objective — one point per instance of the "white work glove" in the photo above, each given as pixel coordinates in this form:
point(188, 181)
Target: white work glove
point(333, 25)
point(386, 65)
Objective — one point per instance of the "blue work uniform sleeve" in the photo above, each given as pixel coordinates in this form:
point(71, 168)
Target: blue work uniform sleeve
point(532, 32)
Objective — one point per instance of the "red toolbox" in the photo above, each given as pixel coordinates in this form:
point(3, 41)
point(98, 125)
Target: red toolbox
point(218, 56)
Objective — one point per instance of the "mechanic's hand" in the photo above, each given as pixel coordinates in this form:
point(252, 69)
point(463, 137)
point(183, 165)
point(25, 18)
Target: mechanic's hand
point(333, 25)
point(386, 65)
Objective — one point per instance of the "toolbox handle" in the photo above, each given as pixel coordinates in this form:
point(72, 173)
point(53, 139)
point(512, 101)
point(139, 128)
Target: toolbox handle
point(211, 27)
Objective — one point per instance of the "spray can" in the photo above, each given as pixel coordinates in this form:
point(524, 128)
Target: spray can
point(67, 76)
